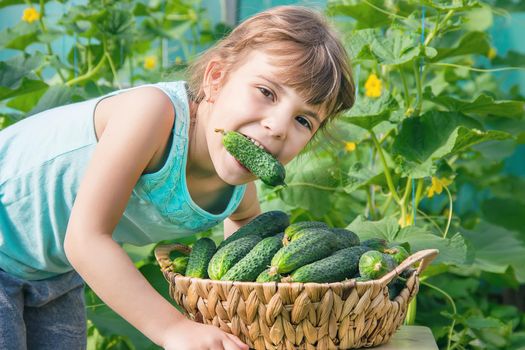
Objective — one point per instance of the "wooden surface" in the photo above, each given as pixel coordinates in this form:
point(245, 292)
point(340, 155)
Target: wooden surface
point(410, 338)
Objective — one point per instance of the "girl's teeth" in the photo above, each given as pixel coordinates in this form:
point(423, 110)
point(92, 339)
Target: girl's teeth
point(256, 143)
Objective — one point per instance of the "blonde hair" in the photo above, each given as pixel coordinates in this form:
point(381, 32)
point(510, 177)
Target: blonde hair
point(314, 61)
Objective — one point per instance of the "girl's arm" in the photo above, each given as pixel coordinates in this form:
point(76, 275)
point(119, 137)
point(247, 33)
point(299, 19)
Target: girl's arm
point(247, 210)
point(138, 129)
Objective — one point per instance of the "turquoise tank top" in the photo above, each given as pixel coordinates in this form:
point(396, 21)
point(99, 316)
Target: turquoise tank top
point(43, 159)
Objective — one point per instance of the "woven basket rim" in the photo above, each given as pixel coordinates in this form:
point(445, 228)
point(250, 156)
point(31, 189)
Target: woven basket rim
point(348, 282)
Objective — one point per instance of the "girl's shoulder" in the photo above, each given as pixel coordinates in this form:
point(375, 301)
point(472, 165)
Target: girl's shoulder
point(146, 112)
point(145, 98)
point(148, 104)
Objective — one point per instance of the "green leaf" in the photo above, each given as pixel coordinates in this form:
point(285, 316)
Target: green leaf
point(6, 3)
point(310, 182)
point(479, 19)
point(57, 95)
point(20, 36)
point(17, 76)
point(452, 250)
point(496, 248)
point(505, 212)
point(28, 101)
point(358, 176)
point(358, 40)
point(477, 322)
point(483, 105)
point(452, 4)
point(470, 43)
point(369, 112)
point(365, 15)
point(386, 228)
point(434, 135)
point(394, 48)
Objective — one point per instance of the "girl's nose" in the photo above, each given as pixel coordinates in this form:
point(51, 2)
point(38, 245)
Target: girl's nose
point(276, 125)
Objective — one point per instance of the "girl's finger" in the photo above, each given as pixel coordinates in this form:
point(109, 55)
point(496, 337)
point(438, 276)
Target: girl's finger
point(229, 344)
point(242, 345)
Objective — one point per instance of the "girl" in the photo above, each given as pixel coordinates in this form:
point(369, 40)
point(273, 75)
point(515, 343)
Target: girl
point(145, 164)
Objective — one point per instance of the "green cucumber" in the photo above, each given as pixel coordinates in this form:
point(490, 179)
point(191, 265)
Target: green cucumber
point(398, 253)
point(265, 276)
point(374, 264)
point(264, 225)
point(226, 257)
point(349, 238)
point(179, 264)
point(258, 259)
point(341, 265)
point(260, 162)
point(342, 238)
point(304, 250)
point(378, 244)
point(291, 231)
point(200, 256)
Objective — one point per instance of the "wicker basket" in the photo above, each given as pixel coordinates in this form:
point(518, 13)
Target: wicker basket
point(341, 315)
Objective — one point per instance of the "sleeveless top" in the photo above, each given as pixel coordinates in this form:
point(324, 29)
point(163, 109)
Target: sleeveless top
point(42, 162)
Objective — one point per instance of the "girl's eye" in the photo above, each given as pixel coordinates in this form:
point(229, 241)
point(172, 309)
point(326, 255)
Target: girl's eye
point(266, 92)
point(303, 121)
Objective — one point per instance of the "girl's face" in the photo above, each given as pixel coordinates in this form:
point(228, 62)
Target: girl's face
point(255, 103)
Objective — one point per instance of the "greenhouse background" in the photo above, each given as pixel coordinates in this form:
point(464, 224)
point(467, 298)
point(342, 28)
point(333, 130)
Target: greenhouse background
point(465, 197)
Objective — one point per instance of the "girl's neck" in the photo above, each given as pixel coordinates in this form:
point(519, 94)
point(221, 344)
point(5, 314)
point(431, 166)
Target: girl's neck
point(199, 164)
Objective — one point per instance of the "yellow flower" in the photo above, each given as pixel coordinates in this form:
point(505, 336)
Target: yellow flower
point(350, 146)
point(407, 222)
point(492, 53)
point(437, 186)
point(178, 60)
point(30, 15)
point(150, 62)
point(373, 86)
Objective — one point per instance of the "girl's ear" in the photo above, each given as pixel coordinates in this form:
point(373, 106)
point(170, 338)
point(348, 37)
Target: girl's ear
point(213, 78)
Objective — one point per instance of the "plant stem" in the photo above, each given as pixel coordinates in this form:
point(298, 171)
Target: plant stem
point(319, 187)
point(407, 190)
point(44, 30)
point(419, 191)
point(454, 310)
point(113, 70)
point(384, 11)
point(419, 101)
point(388, 176)
point(371, 204)
point(386, 205)
point(449, 211)
point(437, 27)
point(385, 136)
point(429, 219)
point(410, 318)
point(88, 74)
point(477, 69)
point(405, 88)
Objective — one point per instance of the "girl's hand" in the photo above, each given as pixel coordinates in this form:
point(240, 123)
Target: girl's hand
point(186, 335)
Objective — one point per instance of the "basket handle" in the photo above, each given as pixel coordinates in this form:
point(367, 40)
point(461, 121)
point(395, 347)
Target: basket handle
point(425, 256)
point(163, 251)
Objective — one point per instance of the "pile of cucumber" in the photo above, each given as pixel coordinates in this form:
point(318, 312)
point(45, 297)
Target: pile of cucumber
point(270, 249)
